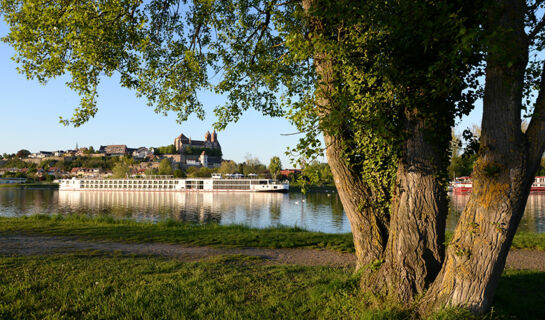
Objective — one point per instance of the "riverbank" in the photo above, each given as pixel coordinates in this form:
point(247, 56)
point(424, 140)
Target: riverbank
point(170, 231)
point(52, 277)
point(30, 185)
point(313, 189)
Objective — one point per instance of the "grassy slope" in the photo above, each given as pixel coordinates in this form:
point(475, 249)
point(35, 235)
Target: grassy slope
point(105, 228)
point(94, 285)
point(175, 232)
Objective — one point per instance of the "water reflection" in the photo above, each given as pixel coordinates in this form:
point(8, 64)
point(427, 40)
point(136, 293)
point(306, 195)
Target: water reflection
point(320, 212)
point(316, 211)
point(533, 219)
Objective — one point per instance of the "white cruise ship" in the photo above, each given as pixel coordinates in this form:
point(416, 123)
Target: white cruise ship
point(168, 183)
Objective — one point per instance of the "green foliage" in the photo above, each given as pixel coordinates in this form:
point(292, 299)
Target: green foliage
point(165, 150)
point(89, 150)
point(461, 166)
point(252, 165)
point(199, 172)
point(197, 151)
point(178, 173)
point(151, 172)
point(104, 163)
point(227, 167)
point(275, 166)
point(165, 167)
point(23, 153)
point(10, 174)
point(316, 173)
point(461, 163)
point(121, 170)
point(14, 162)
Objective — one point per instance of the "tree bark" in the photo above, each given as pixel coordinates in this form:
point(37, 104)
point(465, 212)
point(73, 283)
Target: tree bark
point(502, 175)
point(415, 251)
point(415, 235)
point(368, 224)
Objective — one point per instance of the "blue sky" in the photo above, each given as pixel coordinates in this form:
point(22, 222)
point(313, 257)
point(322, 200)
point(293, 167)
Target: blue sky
point(29, 114)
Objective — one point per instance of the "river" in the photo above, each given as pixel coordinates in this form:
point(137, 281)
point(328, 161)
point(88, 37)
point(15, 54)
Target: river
point(314, 211)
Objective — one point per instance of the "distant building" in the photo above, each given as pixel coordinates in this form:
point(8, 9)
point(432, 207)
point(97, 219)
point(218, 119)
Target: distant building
point(114, 150)
point(141, 153)
point(200, 148)
point(12, 180)
point(286, 172)
point(85, 172)
point(41, 154)
point(210, 141)
point(81, 152)
point(56, 172)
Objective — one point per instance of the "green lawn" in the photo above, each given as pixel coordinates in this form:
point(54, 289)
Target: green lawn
point(94, 285)
point(106, 228)
point(101, 286)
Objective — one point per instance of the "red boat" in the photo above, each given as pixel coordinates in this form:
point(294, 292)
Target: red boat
point(463, 185)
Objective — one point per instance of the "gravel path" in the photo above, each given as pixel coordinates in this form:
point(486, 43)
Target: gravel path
point(30, 245)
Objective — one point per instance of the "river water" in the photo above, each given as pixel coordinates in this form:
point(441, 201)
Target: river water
point(315, 211)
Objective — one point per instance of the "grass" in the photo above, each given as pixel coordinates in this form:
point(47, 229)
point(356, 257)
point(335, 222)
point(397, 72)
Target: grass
point(527, 240)
point(170, 231)
point(520, 292)
point(96, 285)
point(30, 185)
point(101, 286)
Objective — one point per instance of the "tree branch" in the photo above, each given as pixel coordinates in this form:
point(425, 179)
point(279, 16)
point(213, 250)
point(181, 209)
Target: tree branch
point(536, 129)
point(539, 26)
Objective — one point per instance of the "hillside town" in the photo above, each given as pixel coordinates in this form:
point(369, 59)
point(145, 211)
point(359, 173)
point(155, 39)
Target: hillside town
point(185, 157)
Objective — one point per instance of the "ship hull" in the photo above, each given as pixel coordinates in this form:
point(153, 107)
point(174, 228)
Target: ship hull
point(173, 185)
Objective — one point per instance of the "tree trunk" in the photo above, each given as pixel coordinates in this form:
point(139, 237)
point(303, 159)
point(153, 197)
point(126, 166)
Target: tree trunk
point(502, 177)
point(368, 224)
point(415, 251)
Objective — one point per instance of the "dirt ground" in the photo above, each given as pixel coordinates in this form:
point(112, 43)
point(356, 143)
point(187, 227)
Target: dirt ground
point(13, 245)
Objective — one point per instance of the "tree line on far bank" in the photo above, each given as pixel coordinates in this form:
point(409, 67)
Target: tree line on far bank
point(314, 173)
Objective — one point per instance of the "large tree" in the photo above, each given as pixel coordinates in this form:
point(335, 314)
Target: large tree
point(508, 158)
point(275, 165)
point(382, 81)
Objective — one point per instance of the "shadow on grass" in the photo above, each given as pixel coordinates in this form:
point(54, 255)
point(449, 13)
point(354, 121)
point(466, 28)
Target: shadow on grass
point(521, 294)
